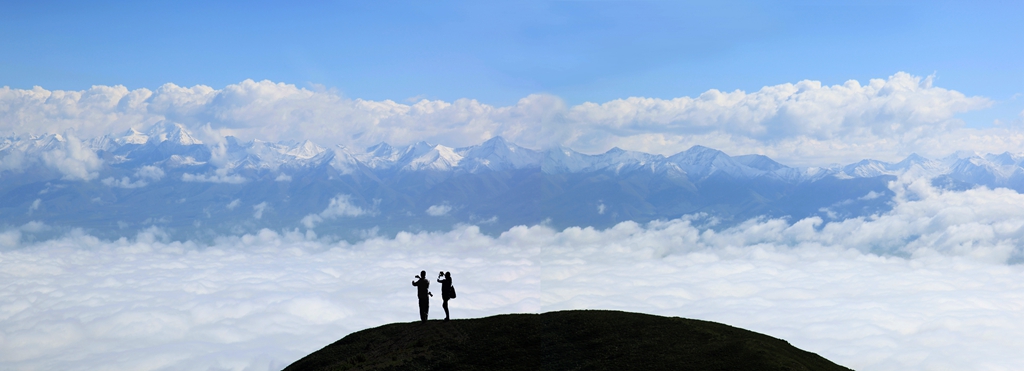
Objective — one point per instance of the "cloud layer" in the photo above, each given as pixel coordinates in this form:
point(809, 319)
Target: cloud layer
point(803, 123)
point(930, 285)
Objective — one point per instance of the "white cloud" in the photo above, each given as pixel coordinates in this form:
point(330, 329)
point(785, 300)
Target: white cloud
point(34, 227)
point(925, 286)
point(10, 239)
point(124, 182)
point(339, 206)
point(283, 178)
point(438, 210)
point(233, 204)
point(93, 112)
point(66, 154)
point(311, 220)
point(258, 210)
point(34, 206)
point(888, 118)
point(219, 176)
point(144, 172)
point(73, 160)
point(149, 172)
point(601, 208)
point(13, 160)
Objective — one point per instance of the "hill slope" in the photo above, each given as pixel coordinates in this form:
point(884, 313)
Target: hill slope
point(568, 340)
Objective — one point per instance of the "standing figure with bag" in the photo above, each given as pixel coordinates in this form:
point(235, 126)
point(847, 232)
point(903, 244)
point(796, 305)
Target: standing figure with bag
point(447, 290)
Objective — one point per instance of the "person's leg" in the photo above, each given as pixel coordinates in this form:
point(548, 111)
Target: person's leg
point(424, 308)
point(445, 306)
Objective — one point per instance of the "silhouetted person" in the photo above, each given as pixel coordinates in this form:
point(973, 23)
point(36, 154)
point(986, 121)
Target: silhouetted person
point(422, 285)
point(447, 291)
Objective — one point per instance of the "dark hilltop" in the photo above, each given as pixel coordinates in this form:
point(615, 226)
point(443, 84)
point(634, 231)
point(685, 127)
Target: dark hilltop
point(567, 340)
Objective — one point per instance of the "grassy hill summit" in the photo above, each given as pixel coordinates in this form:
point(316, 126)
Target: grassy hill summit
point(566, 340)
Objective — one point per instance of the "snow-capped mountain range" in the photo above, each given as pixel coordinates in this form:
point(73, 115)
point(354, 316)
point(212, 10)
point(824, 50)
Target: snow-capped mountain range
point(168, 178)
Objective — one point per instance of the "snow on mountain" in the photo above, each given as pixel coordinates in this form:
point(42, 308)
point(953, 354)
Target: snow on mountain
point(192, 183)
point(921, 165)
point(760, 162)
point(699, 162)
point(34, 145)
point(564, 160)
point(1004, 164)
point(344, 160)
point(411, 153)
point(164, 140)
point(182, 161)
point(305, 150)
point(172, 132)
point(380, 156)
point(437, 157)
point(415, 157)
point(991, 170)
point(773, 169)
point(960, 155)
point(498, 154)
point(616, 160)
point(261, 155)
point(132, 136)
point(47, 142)
point(7, 142)
point(913, 163)
point(970, 167)
point(867, 169)
point(619, 161)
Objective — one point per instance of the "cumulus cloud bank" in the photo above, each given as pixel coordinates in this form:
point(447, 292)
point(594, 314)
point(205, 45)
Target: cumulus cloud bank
point(438, 210)
point(889, 118)
point(220, 176)
point(63, 153)
point(932, 284)
point(339, 206)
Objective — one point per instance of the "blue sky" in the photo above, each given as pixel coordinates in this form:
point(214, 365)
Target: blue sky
point(498, 53)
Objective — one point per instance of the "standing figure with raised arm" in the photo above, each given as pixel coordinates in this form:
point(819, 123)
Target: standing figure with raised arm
point(447, 290)
point(424, 295)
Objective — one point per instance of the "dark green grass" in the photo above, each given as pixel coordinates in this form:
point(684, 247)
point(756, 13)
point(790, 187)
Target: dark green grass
point(569, 340)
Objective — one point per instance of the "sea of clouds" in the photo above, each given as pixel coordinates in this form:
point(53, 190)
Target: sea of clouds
point(933, 284)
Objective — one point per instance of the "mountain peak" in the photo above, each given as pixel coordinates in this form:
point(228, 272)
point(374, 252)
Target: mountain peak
point(495, 141)
point(132, 136)
point(382, 146)
point(563, 159)
point(1005, 158)
point(914, 158)
point(172, 132)
point(702, 150)
point(437, 157)
point(760, 162)
point(305, 150)
point(497, 154)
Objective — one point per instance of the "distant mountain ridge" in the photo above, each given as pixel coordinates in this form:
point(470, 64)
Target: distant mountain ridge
point(119, 184)
point(497, 154)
